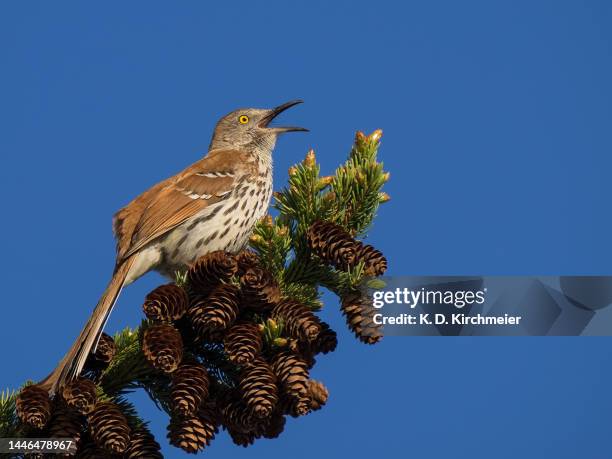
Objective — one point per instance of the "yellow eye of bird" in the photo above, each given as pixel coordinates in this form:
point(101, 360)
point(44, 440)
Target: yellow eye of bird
point(243, 119)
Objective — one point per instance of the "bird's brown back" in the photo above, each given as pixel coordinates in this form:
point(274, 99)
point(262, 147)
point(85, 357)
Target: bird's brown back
point(176, 199)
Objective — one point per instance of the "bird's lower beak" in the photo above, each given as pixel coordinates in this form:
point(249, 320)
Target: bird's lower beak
point(277, 111)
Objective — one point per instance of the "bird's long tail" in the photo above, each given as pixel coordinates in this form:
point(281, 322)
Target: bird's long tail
point(74, 360)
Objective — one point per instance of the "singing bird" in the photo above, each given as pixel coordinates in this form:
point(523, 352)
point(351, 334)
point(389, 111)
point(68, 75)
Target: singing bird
point(211, 205)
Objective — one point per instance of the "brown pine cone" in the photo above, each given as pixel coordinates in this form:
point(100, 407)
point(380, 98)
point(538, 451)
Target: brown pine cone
point(166, 303)
point(276, 425)
point(189, 387)
point(33, 406)
point(142, 445)
point(359, 314)
point(109, 428)
point(332, 244)
point(89, 450)
point(210, 416)
point(260, 292)
point(326, 341)
point(104, 353)
point(375, 263)
point(162, 346)
point(292, 373)
point(66, 423)
point(243, 343)
point(246, 259)
point(234, 413)
point(242, 438)
point(305, 350)
point(258, 388)
point(298, 319)
point(217, 312)
point(295, 406)
point(318, 394)
point(190, 434)
point(80, 394)
point(210, 270)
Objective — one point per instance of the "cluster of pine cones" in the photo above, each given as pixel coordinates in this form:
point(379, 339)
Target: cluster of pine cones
point(335, 246)
point(268, 342)
point(98, 426)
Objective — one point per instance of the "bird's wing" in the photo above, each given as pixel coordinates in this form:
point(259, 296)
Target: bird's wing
point(174, 201)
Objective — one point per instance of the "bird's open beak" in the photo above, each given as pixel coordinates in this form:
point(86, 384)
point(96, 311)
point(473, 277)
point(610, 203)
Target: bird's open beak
point(273, 113)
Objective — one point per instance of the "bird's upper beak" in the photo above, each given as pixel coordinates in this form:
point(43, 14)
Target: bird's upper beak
point(274, 112)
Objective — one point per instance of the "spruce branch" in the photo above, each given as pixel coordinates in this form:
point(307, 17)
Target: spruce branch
point(269, 298)
point(8, 416)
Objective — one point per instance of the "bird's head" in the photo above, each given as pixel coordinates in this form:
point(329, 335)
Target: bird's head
point(249, 128)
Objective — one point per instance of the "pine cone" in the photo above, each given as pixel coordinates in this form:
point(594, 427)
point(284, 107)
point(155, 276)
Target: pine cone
point(210, 270)
point(332, 244)
point(215, 313)
point(298, 319)
point(292, 373)
point(210, 416)
point(242, 438)
point(375, 263)
point(109, 428)
point(32, 455)
point(258, 387)
point(190, 434)
point(243, 343)
point(105, 351)
point(295, 406)
point(260, 292)
point(66, 423)
point(189, 387)
point(80, 394)
point(276, 425)
point(245, 260)
point(234, 413)
point(326, 341)
point(305, 350)
point(142, 445)
point(359, 314)
point(162, 346)
point(318, 394)
point(99, 358)
point(33, 406)
point(89, 450)
point(166, 303)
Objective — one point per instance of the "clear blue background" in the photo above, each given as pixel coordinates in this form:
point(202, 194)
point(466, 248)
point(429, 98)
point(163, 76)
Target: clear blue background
point(497, 118)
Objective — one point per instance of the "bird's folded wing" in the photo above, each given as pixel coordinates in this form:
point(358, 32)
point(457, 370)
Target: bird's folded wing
point(185, 195)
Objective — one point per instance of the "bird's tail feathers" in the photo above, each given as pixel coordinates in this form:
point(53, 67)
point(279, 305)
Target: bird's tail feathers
point(71, 365)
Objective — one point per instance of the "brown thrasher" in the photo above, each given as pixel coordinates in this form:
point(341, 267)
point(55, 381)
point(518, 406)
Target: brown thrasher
point(211, 205)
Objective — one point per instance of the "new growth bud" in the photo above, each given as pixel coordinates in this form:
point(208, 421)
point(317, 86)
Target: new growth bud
point(267, 220)
point(310, 159)
point(272, 325)
point(325, 181)
point(256, 239)
point(375, 136)
point(384, 197)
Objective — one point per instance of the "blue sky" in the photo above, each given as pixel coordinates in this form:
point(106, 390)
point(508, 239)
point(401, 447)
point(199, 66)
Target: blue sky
point(497, 120)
